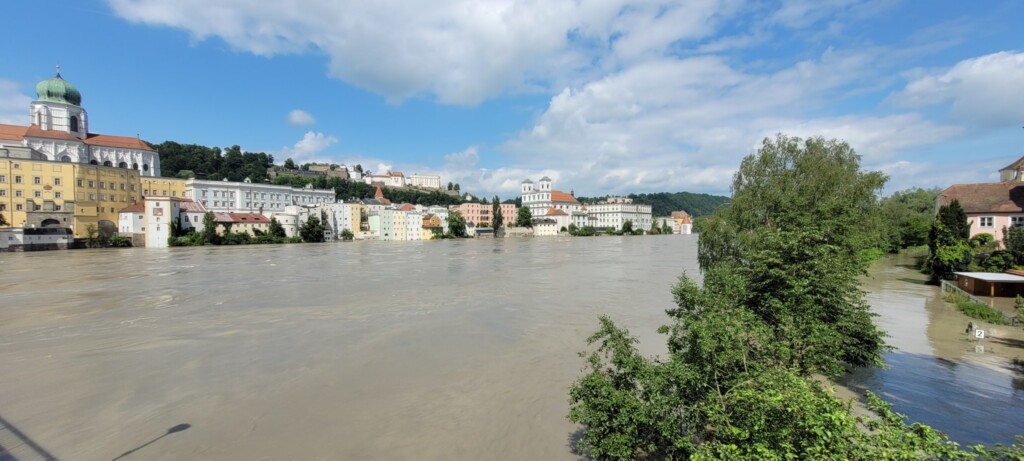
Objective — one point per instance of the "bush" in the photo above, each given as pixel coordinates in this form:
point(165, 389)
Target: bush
point(347, 235)
point(976, 310)
point(120, 242)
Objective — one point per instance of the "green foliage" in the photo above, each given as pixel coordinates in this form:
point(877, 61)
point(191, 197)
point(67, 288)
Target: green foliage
point(289, 164)
point(91, 234)
point(948, 248)
point(457, 225)
point(627, 227)
point(524, 218)
point(997, 261)
point(312, 230)
point(907, 217)
point(3, 220)
point(347, 234)
point(585, 231)
point(1013, 241)
point(117, 241)
point(664, 203)
point(209, 232)
point(236, 238)
point(498, 220)
point(212, 163)
point(276, 229)
point(983, 240)
point(976, 310)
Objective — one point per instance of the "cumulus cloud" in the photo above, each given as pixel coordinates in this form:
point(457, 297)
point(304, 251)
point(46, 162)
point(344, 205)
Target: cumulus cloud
point(468, 157)
point(984, 90)
point(13, 103)
point(299, 117)
point(309, 148)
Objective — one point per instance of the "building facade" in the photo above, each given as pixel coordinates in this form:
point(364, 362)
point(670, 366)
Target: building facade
point(247, 196)
point(991, 207)
point(613, 212)
point(424, 181)
point(542, 196)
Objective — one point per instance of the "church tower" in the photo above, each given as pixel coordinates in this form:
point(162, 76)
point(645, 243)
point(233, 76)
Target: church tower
point(58, 107)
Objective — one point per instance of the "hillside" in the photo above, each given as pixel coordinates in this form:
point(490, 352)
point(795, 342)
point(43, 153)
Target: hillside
point(664, 203)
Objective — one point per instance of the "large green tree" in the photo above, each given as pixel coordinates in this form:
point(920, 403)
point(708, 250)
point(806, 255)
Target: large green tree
point(312, 230)
point(275, 229)
point(949, 248)
point(209, 233)
point(457, 225)
point(524, 218)
point(779, 304)
point(498, 220)
point(908, 216)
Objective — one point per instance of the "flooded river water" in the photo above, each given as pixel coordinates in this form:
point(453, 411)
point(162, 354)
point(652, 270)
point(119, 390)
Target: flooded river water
point(390, 350)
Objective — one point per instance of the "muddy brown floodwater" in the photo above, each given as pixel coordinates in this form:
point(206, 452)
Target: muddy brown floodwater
point(388, 350)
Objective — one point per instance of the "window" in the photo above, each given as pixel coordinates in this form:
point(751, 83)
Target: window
point(18, 207)
point(38, 194)
point(3, 178)
point(17, 179)
point(1017, 221)
point(79, 182)
point(37, 207)
point(58, 194)
point(74, 123)
point(17, 193)
point(985, 221)
point(92, 184)
point(37, 180)
point(56, 181)
point(3, 192)
point(3, 207)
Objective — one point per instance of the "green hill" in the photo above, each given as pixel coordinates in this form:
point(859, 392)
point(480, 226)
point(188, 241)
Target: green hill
point(664, 203)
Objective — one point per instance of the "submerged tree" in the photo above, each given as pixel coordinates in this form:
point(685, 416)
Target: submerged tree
point(524, 218)
point(498, 220)
point(949, 249)
point(457, 225)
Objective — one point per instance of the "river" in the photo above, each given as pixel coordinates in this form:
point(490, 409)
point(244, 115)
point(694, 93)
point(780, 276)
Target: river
point(389, 350)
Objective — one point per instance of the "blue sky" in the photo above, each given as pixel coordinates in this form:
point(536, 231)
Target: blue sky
point(604, 96)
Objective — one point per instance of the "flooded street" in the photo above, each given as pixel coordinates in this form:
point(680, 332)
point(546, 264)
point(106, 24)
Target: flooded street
point(384, 350)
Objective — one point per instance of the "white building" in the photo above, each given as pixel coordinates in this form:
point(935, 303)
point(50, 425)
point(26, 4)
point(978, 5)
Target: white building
point(130, 219)
point(543, 197)
point(247, 196)
point(160, 212)
point(551, 223)
point(613, 212)
point(59, 129)
point(424, 181)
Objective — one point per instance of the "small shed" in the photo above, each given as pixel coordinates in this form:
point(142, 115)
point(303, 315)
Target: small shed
point(993, 284)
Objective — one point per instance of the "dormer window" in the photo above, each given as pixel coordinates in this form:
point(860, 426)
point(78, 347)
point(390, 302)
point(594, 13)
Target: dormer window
point(74, 123)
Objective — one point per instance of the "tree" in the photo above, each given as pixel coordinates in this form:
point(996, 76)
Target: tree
point(359, 168)
point(289, 164)
point(347, 234)
point(1013, 241)
point(949, 249)
point(209, 233)
point(779, 305)
point(627, 227)
point(275, 229)
point(450, 185)
point(498, 220)
point(91, 232)
point(456, 225)
point(456, 187)
point(3, 220)
point(524, 218)
point(312, 230)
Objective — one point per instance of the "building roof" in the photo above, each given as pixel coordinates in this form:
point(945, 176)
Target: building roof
point(240, 218)
point(996, 197)
point(546, 179)
point(407, 207)
point(555, 212)
point(137, 207)
point(559, 196)
point(682, 216)
point(19, 132)
point(1015, 165)
point(395, 173)
point(57, 89)
point(1000, 277)
point(189, 206)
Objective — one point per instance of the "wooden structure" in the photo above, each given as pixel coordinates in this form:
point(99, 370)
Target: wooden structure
point(992, 284)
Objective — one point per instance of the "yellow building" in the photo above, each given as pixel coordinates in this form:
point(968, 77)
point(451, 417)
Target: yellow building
point(163, 187)
point(43, 193)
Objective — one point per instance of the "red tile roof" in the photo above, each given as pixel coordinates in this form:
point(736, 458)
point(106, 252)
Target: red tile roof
point(997, 197)
point(13, 132)
point(249, 218)
point(562, 197)
point(407, 207)
point(137, 207)
point(682, 216)
point(189, 206)
point(127, 142)
point(18, 132)
point(395, 173)
point(554, 212)
point(35, 132)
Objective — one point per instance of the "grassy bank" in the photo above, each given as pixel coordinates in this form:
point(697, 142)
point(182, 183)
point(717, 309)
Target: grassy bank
point(977, 310)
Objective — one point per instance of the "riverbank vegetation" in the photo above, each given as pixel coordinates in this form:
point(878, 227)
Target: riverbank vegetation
point(975, 310)
point(780, 306)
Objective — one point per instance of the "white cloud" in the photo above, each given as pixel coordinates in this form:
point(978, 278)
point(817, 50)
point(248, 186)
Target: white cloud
point(985, 90)
point(309, 148)
point(13, 104)
point(299, 117)
point(466, 158)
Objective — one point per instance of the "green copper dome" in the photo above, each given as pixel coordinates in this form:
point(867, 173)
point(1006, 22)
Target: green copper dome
point(59, 90)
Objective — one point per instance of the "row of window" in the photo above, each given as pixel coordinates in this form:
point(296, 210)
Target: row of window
point(35, 194)
point(989, 221)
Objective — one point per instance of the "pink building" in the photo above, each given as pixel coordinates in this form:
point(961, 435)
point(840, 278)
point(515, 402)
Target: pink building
point(991, 206)
point(477, 213)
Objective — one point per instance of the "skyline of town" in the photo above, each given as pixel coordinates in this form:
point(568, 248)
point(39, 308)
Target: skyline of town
point(611, 99)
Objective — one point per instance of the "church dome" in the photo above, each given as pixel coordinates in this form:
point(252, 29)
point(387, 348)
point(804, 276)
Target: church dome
point(57, 89)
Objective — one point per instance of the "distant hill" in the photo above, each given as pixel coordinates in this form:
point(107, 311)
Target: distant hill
point(664, 203)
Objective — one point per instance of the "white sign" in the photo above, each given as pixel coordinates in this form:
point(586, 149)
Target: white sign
point(979, 333)
point(979, 349)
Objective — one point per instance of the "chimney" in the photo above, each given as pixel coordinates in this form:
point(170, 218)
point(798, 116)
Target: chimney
point(261, 209)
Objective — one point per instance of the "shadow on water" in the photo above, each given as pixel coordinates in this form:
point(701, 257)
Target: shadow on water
point(574, 444)
point(1009, 342)
point(944, 393)
point(178, 428)
point(915, 281)
point(37, 451)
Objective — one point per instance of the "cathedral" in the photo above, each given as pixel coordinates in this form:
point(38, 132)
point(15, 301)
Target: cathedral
point(58, 131)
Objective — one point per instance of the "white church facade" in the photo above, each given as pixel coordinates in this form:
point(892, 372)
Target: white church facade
point(59, 131)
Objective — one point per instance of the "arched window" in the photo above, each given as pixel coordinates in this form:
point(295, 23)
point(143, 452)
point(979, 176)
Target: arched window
point(122, 165)
point(135, 166)
point(145, 167)
point(74, 123)
point(65, 159)
point(107, 163)
point(93, 162)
